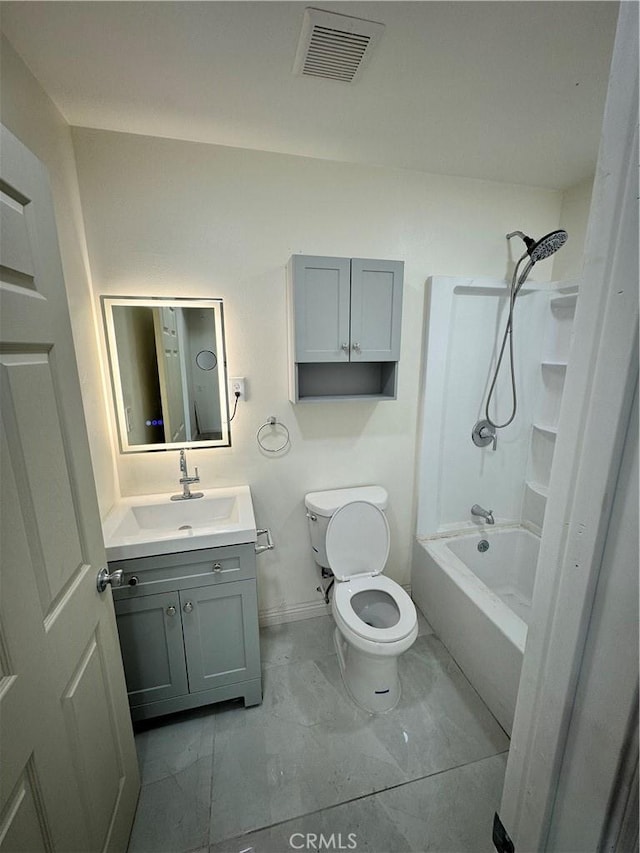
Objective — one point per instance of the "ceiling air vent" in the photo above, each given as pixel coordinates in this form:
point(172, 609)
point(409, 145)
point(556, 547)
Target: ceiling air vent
point(334, 46)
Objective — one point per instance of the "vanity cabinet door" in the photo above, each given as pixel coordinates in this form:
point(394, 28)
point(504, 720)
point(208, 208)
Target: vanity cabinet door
point(321, 296)
point(220, 626)
point(150, 632)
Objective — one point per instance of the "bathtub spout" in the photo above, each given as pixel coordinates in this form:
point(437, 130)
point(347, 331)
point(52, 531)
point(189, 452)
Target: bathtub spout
point(487, 514)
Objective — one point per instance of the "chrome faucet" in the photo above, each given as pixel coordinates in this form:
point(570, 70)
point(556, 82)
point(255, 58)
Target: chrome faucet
point(487, 514)
point(186, 480)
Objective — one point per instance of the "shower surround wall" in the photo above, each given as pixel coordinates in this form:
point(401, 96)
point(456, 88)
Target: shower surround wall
point(477, 596)
point(466, 319)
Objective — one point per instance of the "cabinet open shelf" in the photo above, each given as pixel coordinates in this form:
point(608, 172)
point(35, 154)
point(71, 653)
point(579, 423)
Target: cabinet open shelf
point(326, 381)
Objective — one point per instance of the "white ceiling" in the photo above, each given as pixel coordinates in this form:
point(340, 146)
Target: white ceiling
point(508, 91)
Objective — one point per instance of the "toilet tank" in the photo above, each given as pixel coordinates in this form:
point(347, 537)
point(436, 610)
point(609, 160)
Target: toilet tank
point(321, 506)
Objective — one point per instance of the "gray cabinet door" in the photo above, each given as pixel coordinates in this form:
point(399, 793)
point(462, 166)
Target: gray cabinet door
point(152, 647)
point(376, 309)
point(220, 626)
point(321, 294)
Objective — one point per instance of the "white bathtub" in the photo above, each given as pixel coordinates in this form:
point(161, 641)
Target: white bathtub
point(478, 604)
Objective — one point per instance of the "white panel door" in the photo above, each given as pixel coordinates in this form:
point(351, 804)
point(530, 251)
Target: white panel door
point(69, 778)
point(170, 373)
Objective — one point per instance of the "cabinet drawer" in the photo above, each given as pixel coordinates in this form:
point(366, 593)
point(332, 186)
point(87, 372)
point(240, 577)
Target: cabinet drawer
point(184, 571)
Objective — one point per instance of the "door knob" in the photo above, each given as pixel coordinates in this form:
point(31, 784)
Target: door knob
point(104, 579)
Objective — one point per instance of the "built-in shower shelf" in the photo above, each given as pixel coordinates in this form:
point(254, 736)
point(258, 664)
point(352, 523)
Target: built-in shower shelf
point(538, 488)
point(546, 429)
point(568, 285)
point(562, 301)
point(567, 300)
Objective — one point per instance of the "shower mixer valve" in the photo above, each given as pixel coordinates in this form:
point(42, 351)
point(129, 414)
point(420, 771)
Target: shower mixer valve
point(483, 434)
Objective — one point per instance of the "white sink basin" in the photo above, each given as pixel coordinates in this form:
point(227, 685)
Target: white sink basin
point(154, 524)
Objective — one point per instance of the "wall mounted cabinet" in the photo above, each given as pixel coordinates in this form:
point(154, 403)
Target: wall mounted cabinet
point(188, 627)
point(345, 319)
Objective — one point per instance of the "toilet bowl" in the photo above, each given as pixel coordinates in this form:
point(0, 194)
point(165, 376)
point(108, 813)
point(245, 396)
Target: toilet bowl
point(375, 619)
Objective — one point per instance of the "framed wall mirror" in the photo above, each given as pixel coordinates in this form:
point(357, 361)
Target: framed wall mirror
point(168, 372)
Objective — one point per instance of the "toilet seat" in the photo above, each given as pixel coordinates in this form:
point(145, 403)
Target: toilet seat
point(344, 592)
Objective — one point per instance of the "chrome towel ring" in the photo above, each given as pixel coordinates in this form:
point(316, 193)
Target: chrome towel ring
point(276, 427)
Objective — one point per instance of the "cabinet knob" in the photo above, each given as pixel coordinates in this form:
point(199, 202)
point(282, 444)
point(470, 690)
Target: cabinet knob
point(217, 567)
point(356, 347)
point(171, 611)
point(345, 347)
point(134, 580)
point(188, 607)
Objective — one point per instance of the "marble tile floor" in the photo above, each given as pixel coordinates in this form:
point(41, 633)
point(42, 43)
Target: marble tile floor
point(307, 762)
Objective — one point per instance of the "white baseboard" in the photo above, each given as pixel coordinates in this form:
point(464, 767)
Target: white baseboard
point(298, 612)
point(294, 613)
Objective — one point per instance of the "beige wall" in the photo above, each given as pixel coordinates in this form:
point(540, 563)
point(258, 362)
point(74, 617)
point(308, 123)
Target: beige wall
point(31, 116)
point(167, 218)
point(574, 216)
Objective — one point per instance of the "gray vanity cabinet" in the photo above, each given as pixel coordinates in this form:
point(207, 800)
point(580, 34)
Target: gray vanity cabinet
point(188, 627)
point(344, 328)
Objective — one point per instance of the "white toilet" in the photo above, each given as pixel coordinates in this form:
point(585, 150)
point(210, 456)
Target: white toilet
point(375, 619)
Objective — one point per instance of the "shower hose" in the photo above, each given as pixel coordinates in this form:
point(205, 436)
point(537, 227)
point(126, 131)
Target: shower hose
point(508, 333)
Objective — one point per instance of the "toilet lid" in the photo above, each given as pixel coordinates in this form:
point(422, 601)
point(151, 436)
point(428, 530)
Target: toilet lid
point(357, 540)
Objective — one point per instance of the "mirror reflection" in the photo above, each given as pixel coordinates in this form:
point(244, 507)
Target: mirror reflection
point(168, 372)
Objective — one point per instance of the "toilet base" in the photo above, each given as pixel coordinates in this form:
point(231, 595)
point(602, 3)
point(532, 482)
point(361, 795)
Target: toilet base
point(371, 681)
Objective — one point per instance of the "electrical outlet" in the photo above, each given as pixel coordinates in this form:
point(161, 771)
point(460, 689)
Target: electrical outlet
point(238, 387)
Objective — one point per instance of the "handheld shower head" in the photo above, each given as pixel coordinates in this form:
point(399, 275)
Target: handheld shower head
point(540, 249)
point(547, 245)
